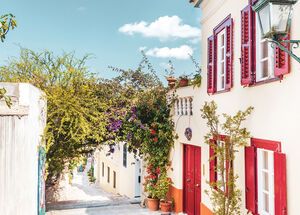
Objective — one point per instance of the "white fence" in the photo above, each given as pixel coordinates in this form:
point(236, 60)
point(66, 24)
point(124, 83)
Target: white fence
point(21, 129)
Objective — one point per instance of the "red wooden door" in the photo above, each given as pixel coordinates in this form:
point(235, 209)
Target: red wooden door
point(192, 179)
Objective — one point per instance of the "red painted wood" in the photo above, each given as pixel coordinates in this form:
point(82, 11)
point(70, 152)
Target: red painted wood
point(212, 165)
point(246, 45)
point(192, 179)
point(197, 163)
point(282, 60)
point(250, 179)
point(229, 54)
point(280, 184)
point(266, 144)
point(210, 65)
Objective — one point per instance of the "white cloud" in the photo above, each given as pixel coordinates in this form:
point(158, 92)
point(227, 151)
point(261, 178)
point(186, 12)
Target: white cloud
point(181, 53)
point(142, 48)
point(165, 27)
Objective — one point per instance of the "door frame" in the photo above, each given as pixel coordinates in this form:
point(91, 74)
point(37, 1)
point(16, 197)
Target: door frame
point(184, 174)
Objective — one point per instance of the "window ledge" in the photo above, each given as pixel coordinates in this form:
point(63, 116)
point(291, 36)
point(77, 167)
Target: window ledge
point(270, 80)
point(220, 92)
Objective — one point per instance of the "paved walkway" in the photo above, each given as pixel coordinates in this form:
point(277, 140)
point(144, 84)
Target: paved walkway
point(83, 198)
point(109, 210)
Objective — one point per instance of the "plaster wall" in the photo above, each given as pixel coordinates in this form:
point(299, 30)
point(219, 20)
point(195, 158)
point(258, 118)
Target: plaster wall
point(277, 106)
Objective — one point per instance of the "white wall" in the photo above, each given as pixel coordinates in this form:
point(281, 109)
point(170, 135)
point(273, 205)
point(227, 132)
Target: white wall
point(277, 105)
point(21, 130)
point(125, 176)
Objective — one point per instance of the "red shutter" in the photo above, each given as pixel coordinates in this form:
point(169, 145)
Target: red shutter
point(280, 184)
point(212, 165)
point(229, 54)
point(210, 65)
point(247, 45)
point(250, 175)
point(282, 60)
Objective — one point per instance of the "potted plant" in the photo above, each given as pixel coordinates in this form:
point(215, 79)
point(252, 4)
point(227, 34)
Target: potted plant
point(183, 81)
point(163, 185)
point(170, 75)
point(150, 187)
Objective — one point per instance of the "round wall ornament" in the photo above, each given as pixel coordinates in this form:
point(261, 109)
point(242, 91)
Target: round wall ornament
point(188, 133)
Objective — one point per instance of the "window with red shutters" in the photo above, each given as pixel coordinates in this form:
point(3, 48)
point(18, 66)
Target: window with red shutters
point(257, 64)
point(210, 65)
point(220, 57)
point(252, 177)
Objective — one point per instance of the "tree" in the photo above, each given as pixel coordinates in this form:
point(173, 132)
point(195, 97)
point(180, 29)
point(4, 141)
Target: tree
point(224, 138)
point(7, 23)
point(76, 118)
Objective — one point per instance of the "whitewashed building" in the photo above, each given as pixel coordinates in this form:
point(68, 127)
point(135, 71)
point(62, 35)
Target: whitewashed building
point(22, 155)
point(118, 171)
point(240, 70)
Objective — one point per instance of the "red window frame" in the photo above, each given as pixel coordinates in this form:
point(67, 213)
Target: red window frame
point(248, 51)
point(212, 57)
point(251, 176)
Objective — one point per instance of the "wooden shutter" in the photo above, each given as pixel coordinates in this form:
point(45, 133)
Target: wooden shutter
point(250, 176)
point(229, 54)
point(210, 65)
point(280, 184)
point(247, 45)
point(212, 165)
point(282, 59)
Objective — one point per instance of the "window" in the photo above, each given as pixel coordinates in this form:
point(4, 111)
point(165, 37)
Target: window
point(125, 155)
point(264, 56)
point(265, 174)
point(108, 174)
point(259, 60)
point(219, 65)
point(115, 179)
point(185, 106)
point(102, 169)
point(191, 105)
point(221, 61)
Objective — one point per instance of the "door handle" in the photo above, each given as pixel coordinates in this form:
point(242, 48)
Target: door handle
point(197, 185)
point(188, 180)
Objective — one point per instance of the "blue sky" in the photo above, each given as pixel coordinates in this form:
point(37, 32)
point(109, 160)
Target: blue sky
point(113, 31)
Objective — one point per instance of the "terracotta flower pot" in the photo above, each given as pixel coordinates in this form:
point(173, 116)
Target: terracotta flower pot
point(166, 206)
point(152, 204)
point(183, 82)
point(171, 82)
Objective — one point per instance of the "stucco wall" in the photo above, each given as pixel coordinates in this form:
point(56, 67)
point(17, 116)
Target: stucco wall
point(21, 130)
point(125, 176)
point(277, 105)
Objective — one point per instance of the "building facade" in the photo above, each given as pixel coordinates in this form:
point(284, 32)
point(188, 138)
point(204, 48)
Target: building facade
point(118, 171)
point(240, 69)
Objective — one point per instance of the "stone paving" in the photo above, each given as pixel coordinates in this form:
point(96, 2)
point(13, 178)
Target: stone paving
point(83, 198)
point(130, 209)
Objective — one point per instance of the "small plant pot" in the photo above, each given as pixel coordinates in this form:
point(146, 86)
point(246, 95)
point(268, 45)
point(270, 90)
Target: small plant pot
point(171, 82)
point(183, 82)
point(153, 204)
point(166, 206)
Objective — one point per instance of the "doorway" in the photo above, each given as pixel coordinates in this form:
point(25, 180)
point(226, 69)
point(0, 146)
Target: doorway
point(192, 179)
